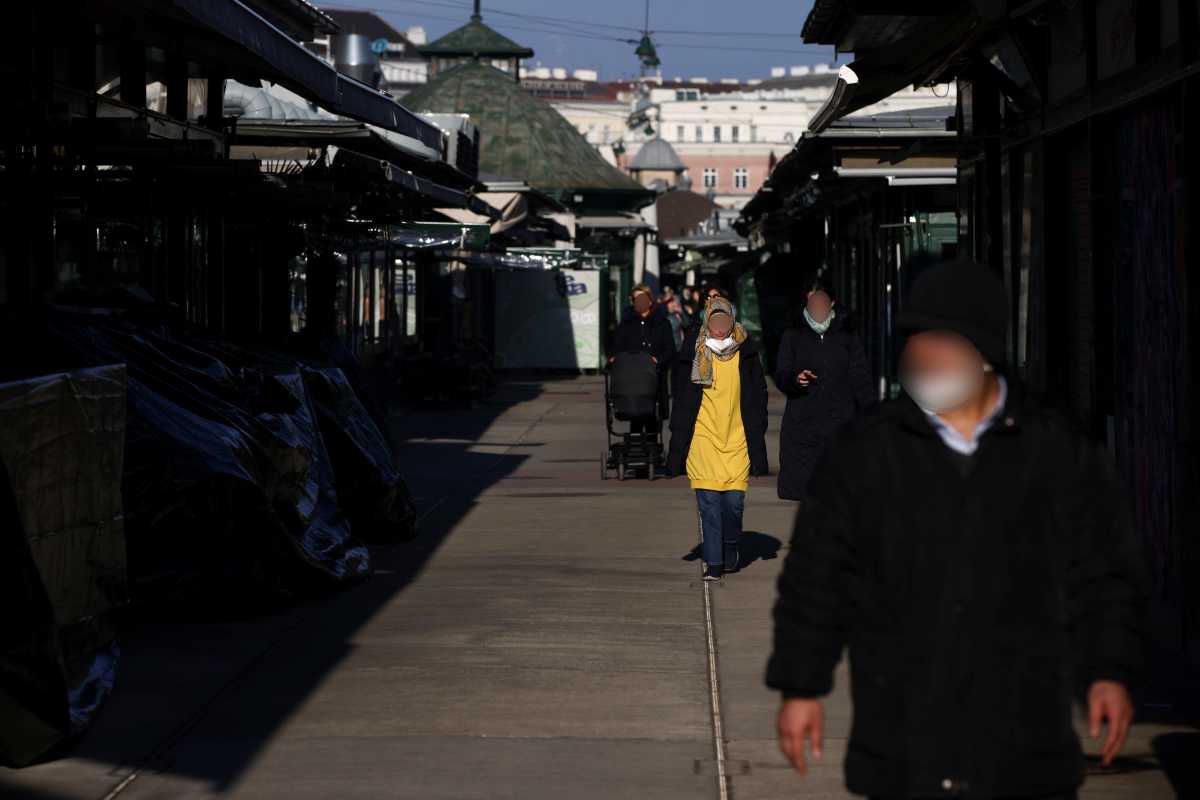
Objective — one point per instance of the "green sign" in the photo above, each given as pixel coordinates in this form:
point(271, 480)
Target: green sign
point(548, 319)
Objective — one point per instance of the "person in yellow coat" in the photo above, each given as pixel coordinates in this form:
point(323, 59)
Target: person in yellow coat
point(718, 429)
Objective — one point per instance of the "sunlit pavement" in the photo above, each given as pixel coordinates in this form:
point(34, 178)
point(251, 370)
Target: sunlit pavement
point(544, 638)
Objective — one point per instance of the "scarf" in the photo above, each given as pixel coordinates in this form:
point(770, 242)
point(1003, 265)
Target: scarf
point(819, 327)
point(702, 362)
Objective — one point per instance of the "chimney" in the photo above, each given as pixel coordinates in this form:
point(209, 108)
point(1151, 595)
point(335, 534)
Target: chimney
point(352, 55)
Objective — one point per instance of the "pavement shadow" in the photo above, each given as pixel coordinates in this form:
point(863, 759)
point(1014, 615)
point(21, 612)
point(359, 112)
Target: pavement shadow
point(752, 547)
point(12, 791)
point(1179, 755)
point(201, 699)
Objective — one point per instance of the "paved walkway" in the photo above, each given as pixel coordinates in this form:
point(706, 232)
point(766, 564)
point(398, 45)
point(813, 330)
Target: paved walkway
point(546, 637)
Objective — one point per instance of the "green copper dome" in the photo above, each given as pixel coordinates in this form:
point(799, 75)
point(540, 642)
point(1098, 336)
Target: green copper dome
point(476, 39)
point(521, 136)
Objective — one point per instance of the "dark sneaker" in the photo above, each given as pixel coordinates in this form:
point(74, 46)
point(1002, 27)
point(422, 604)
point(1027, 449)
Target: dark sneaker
point(713, 572)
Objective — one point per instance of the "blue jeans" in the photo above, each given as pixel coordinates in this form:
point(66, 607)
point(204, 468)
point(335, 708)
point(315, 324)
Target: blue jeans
point(720, 525)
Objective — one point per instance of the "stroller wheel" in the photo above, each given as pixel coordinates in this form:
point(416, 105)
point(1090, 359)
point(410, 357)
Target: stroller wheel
point(604, 466)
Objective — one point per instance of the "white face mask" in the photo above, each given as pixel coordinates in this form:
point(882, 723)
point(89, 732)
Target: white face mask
point(720, 346)
point(819, 327)
point(940, 393)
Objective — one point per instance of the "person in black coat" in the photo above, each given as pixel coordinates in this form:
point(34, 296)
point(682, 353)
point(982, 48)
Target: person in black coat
point(644, 328)
point(823, 371)
point(977, 559)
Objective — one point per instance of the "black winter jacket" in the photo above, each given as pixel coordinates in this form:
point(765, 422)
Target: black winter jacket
point(652, 335)
point(975, 607)
point(687, 406)
point(814, 413)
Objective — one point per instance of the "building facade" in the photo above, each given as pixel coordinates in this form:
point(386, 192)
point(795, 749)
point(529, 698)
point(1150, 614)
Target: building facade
point(401, 65)
point(727, 133)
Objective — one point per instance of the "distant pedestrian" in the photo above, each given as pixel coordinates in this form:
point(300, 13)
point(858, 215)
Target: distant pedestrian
point(691, 302)
point(977, 558)
point(718, 429)
point(823, 371)
point(675, 314)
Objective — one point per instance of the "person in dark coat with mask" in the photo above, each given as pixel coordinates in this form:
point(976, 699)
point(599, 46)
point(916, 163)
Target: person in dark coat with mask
point(644, 328)
point(823, 371)
point(976, 557)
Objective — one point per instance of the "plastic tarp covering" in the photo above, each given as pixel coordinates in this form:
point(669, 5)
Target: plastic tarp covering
point(371, 488)
point(62, 554)
point(229, 490)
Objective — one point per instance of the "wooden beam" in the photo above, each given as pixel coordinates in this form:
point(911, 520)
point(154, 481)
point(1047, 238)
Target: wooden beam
point(133, 73)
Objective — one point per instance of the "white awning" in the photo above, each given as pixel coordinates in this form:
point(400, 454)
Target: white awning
point(621, 222)
point(465, 216)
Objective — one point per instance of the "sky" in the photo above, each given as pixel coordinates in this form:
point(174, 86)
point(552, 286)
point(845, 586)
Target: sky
point(710, 38)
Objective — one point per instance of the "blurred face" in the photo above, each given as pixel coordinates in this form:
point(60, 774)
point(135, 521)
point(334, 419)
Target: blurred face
point(719, 326)
point(942, 371)
point(819, 305)
point(642, 304)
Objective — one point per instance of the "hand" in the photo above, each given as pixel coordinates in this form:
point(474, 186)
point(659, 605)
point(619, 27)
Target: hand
point(805, 377)
point(1108, 701)
point(655, 360)
point(611, 359)
point(800, 719)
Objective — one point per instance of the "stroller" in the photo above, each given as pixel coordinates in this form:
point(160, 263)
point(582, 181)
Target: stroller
point(633, 394)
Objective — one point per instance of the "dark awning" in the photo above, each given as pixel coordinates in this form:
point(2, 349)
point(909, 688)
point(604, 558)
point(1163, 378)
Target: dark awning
point(914, 60)
point(442, 195)
point(289, 63)
point(358, 100)
point(426, 235)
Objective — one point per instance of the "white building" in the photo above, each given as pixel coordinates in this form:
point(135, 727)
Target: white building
point(401, 65)
point(727, 133)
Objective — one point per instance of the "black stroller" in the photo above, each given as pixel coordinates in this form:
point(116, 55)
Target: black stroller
point(634, 394)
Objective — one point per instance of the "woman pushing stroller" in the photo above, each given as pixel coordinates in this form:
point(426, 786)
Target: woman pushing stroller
point(718, 428)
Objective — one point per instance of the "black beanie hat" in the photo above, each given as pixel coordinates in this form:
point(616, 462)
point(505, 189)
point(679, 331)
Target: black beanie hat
point(965, 298)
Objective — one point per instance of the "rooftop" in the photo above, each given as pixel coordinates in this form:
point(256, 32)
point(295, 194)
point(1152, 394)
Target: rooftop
point(929, 118)
point(658, 155)
point(478, 40)
point(521, 136)
point(371, 25)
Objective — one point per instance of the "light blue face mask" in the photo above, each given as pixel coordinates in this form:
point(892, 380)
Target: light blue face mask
point(819, 327)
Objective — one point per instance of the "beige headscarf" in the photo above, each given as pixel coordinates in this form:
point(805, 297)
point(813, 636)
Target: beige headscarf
point(702, 363)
